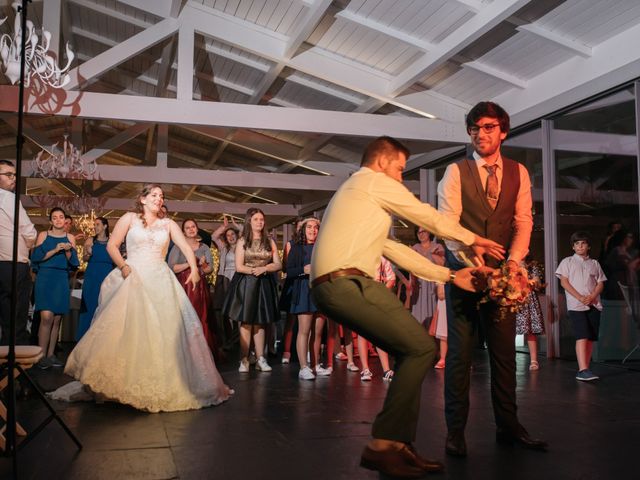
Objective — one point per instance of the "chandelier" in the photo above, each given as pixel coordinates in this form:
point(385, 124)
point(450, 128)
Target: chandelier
point(78, 205)
point(38, 60)
point(86, 223)
point(67, 163)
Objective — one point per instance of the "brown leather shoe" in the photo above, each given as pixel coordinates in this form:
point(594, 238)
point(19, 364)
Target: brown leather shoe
point(396, 463)
point(428, 465)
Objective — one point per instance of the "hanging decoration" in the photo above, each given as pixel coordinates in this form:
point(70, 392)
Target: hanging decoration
point(65, 163)
point(39, 62)
point(78, 205)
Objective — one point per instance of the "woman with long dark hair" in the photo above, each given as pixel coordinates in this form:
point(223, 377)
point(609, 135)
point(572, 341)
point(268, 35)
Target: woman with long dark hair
point(225, 238)
point(54, 257)
point(99, 265)
point(252, 299)
point(145, 346)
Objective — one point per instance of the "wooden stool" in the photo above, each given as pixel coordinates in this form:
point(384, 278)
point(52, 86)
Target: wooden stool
point(26, 356)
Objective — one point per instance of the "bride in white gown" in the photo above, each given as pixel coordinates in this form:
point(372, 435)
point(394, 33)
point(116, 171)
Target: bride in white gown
point(145, 346)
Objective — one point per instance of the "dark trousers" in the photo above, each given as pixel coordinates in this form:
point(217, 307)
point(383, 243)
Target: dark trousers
point(24, 291)
point(371, 310)
point(464, 315)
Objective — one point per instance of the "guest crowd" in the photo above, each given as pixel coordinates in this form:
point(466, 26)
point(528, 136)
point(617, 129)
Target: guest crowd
point(255, 289)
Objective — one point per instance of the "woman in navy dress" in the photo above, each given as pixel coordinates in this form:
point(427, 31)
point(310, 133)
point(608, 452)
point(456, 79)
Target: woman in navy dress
point(99, 265)
point(310, 322)
point(54, 256)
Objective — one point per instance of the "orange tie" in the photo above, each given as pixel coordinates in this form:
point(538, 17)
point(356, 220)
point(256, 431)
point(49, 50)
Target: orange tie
point(492, 191)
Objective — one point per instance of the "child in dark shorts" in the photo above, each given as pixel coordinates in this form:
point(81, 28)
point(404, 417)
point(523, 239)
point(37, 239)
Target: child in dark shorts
point(583, 280)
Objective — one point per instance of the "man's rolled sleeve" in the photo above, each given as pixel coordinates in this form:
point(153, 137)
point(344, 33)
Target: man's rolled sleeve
point(522, 218)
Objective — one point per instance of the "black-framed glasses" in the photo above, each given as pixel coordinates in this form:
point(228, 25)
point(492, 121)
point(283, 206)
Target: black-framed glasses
point(486, 128)
point(9, 175)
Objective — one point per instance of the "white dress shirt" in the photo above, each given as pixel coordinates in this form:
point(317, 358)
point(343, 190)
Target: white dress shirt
point(26, 231)
point(355, 228)
point(450, 204)
point(583, 274)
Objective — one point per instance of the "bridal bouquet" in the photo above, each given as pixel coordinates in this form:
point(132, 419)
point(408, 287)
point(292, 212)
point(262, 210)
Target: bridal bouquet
point(509, 288)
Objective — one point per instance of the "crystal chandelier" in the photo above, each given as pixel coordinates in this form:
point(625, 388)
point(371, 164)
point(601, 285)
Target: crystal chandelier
point(38, 61)
point(86, 224)
point(67, 163)
point(77, 204)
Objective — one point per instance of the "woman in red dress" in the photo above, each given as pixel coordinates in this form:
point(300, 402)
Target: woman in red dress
point(198, 295)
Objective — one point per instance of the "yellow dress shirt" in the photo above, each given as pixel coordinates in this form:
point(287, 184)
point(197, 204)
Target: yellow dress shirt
point(355, 228)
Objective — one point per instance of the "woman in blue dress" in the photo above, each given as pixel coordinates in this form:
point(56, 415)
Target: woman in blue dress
point(54, 256)
point(98, 267)
point(310, 322)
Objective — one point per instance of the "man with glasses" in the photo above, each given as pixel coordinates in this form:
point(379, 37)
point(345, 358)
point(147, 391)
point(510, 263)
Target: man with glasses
point(491, 196)
point(26, 238)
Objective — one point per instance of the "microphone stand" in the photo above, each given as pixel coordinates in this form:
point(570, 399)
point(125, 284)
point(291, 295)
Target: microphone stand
point(10, 444)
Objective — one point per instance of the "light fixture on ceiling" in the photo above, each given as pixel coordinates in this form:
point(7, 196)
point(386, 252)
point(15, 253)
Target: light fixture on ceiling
point(39, 62)
point(65, 163)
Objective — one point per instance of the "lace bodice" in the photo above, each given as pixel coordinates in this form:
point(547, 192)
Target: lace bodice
point(256, 255)
point(147, 244)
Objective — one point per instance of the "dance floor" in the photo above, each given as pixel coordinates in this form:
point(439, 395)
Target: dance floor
point(277, 427)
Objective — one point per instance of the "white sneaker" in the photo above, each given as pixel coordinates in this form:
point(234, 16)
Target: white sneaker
point(366, 375)
point(323, 372)
point(244, 366)
point(306, 374)
point(352, 367)
point(262, 365)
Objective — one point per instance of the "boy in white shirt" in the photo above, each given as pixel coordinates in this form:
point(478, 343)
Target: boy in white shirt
point(583, 280)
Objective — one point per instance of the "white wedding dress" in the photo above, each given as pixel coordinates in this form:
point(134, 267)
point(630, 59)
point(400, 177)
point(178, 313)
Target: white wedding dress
point(145, 346)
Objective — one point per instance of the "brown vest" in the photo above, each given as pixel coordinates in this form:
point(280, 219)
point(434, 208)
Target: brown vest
point(477, 214)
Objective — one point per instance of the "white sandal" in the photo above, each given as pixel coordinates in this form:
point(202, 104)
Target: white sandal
point(534, 365)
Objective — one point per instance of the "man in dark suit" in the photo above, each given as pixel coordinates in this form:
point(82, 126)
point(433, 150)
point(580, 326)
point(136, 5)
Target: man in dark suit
point(491, 196)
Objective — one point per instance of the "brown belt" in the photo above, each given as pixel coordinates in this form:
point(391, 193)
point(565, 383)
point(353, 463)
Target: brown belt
point(337, 274)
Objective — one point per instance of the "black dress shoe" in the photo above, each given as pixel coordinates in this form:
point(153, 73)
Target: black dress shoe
point(426, 464)
point(455, 444)
point(396, 463)
point(523, 439)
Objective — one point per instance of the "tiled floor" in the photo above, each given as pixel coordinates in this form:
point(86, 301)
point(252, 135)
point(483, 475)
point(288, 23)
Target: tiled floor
point(277, 427)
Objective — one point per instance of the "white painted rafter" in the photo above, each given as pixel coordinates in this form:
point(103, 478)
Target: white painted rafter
point(576, 79)
point(221, 52)
point(379, 27)
point(503, 76)
point(485, 19)
point(332, 91)
point(186, 112)
point(115, 14)
point(577, 48)
point(313, 61)
point(116, 141)
point(186, 41)
point(51, 21)
point(122, 52)
point(212, 178)
point(172, 88)
point(473, 6)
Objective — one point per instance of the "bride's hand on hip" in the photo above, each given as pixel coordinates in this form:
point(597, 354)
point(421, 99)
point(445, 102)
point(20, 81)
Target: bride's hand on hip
point(125, 270)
